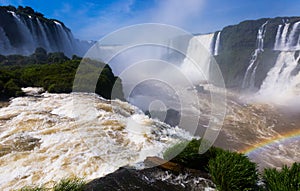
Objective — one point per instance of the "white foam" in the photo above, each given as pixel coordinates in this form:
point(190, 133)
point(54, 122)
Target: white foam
point(73, 144)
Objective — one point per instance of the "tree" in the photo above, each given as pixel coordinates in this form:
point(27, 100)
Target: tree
point(40, 55)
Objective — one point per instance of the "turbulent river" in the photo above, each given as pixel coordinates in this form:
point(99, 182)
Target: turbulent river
point(42, 139)
point(52, 136)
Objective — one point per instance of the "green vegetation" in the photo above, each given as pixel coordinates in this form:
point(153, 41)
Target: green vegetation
point(75, 184)
point(25, 11)
point(232, 171)
point(67, 184)
point(55, 73)
point(187, 154)
point(33, 188)
point(288, 179)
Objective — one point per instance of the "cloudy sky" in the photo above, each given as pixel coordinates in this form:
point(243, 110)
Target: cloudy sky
point(90, 19)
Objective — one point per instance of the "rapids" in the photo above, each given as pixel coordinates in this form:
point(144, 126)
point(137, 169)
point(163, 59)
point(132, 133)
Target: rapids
point(43, 139)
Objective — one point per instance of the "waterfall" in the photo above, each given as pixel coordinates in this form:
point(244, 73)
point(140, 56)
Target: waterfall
point(28, 41)
point(292, 42)
point(44, 38)
point(288, 38)
point(249, 78)
point(199, 48)
point(67, 43)
point(33, 31)
point(22, 34)
point(282, 80)
point(217, 44)
point(277, 40)
point(284, 35)
point(4, 42)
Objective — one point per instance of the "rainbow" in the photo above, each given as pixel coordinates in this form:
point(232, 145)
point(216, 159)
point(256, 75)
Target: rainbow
point(288, 136)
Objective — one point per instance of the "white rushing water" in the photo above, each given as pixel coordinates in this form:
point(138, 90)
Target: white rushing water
point(33, 32)
point(217, 44)
point(283, 80)
point(287, 39)
point(4, 42)
point(47, 138)
point(199, 49)
point(249, 78)
point(28, 41)
point(44, 37)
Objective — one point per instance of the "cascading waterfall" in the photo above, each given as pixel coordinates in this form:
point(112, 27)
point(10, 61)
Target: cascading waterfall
point(4, 42)
point(277, 40)
point(32, 29)
point(284, 35)
point(200, 51)
point(249, 78)
point(217, 44)
point(283, 80)
point(288, 39)
point(67, 43)
point(32, 32)
point(44, 38)
point(28, 42)
point(292, 40)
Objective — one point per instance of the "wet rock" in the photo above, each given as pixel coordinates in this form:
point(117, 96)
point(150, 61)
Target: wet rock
point(164, 177)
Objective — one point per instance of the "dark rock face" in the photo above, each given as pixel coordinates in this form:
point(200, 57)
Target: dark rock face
point(170, 117)
point(22, 30)
point(164, 177)
point(130, 179)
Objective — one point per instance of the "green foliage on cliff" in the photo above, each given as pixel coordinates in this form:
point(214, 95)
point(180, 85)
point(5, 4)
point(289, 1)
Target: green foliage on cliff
point(54, 72)
point(66, 184)
point(232, 171)
point(28, 11)
point(287, 179)
point(33, 188)
point(187, 154)
point(69, 184)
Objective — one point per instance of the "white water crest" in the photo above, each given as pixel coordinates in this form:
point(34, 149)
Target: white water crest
point(44, 140)
point(249, 78)
point(200, 52)
point(217, 44)
point(288, 38)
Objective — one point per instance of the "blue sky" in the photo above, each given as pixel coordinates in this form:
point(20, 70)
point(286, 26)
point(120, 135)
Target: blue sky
point(90, 20)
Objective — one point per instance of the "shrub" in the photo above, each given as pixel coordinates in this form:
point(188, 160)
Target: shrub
point(232, 171)
point(69, 184)
point(288, 179)
point(12, 89)
point(37, 188)
point(187, 154)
